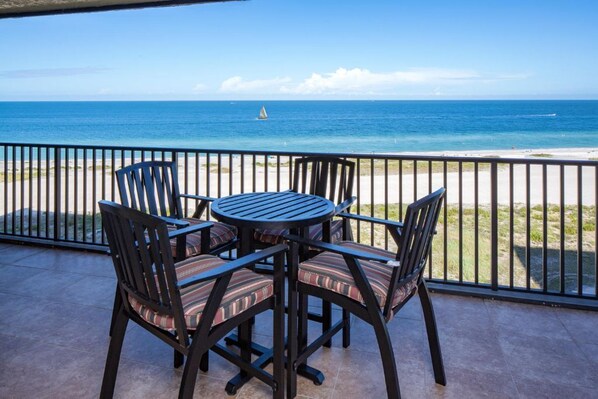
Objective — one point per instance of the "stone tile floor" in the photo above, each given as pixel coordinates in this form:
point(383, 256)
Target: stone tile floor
point(55, 308)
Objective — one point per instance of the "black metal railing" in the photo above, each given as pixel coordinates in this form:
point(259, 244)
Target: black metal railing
point(518, 225)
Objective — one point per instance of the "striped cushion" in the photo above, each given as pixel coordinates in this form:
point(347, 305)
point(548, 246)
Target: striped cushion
point(328, 270)
point(276, 236)
point(245, 290)
point(220, 233)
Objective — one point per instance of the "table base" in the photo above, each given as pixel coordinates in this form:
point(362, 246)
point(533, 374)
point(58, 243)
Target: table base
point(264, 358)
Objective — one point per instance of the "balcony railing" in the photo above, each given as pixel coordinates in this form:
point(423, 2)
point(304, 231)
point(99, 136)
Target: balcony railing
point(514, 226)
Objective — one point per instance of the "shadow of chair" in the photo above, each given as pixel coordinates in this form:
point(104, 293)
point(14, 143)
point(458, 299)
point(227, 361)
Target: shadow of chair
point(372, 284)
point(190, 305)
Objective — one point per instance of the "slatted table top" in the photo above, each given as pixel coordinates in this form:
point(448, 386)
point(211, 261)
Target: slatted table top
point(273, 210)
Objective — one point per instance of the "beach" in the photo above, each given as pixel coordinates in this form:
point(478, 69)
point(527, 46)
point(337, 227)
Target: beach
point(393, 189)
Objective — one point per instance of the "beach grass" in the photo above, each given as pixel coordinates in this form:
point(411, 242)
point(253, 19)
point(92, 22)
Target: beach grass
point(18, 176)
point(467, 258)
point(542, 155)
point(380, 167)
point(463, 258)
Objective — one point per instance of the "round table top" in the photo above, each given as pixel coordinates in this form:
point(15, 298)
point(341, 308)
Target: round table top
point(272, 210)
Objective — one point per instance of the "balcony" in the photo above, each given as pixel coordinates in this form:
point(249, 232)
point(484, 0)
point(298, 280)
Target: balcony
point(518, 229)
point(56, 308)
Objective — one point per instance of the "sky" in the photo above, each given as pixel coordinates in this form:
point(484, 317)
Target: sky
point(307, 50)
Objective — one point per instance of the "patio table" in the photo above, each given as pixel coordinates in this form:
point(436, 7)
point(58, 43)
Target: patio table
point(271, 210)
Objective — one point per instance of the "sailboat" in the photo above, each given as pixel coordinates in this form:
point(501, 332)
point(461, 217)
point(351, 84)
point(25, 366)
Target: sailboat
point(263, 114)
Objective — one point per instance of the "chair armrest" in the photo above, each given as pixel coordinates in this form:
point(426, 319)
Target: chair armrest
point(233, 266)
point(387, 223)
point(189, 229)
point(344, 205)
point(198, 197)
point(201, 205)
point(338, 249)
point(175, 222)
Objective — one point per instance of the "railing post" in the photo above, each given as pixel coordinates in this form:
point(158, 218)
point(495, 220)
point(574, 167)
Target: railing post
point(494, 225)
point(57, 188)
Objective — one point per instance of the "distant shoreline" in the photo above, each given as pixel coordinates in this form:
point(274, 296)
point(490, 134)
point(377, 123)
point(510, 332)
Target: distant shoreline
point(580, 153)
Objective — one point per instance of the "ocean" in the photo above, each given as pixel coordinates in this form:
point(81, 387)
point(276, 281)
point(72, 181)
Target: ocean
point(311, 126)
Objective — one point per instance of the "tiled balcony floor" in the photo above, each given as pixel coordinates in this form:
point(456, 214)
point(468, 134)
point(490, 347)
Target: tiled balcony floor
point(55, 308)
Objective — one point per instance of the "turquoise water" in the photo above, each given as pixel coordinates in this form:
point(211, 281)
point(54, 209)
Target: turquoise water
point(318, 126)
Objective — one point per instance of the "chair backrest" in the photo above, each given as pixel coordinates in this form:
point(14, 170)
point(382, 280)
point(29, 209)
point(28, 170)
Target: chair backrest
point(143, 262)
point(328, 177)
point(419, 227)
point(151, 187)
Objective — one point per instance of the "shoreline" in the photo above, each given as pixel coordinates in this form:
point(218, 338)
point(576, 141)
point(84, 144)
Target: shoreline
point(373, 188)
point(574, 153)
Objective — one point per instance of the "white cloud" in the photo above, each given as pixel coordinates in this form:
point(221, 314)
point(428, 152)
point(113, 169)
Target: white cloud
point(237, 84)
point(357, 80)
point(360, 81)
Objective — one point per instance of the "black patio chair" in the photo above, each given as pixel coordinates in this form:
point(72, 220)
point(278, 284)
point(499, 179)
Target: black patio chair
point(190, 305)
point(153, 187)
point(327, 177)
point(373, 284)
point(331, 178)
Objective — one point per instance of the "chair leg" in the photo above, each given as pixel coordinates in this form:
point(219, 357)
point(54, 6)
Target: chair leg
point(204, 364)
point(291, 372)
point(196, 352)
point(112, 360)
point(388, 359)
point(179, 359)
point(245, 336)
point(302, 309)
point(326, 320)
point(346, 328)
point(432, 332)
point(118, 303)
point(278, 338)
point(292, 350)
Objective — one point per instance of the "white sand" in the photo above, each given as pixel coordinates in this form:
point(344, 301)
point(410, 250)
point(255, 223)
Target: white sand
point(84, 198)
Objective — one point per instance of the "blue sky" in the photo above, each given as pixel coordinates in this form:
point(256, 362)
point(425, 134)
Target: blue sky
point(303, 50)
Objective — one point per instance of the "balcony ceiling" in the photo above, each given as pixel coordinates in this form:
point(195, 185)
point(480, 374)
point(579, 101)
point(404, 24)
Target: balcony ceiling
point(24, 8)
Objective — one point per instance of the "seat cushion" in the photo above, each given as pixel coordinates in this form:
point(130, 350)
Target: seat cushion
point(276, 236)
point(220, 234)
point(245, 290)
point(328, 270)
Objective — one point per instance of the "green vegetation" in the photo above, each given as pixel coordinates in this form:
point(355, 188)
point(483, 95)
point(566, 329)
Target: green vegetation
point(465, 265)
point(18, 176)
point(542, 155)
point(457, 267)
point(408, 167)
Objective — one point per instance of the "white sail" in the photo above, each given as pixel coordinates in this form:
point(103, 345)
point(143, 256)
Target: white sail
point(263, 114)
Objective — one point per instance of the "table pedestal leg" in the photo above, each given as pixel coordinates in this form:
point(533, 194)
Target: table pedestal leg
point(265, 354)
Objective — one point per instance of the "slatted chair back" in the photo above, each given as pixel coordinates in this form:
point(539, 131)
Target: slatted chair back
point(151, 187)
point(143, 262)
point(414, 243)
point(328, 177)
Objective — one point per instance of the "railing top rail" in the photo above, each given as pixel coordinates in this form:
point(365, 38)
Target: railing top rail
point(381, 156)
